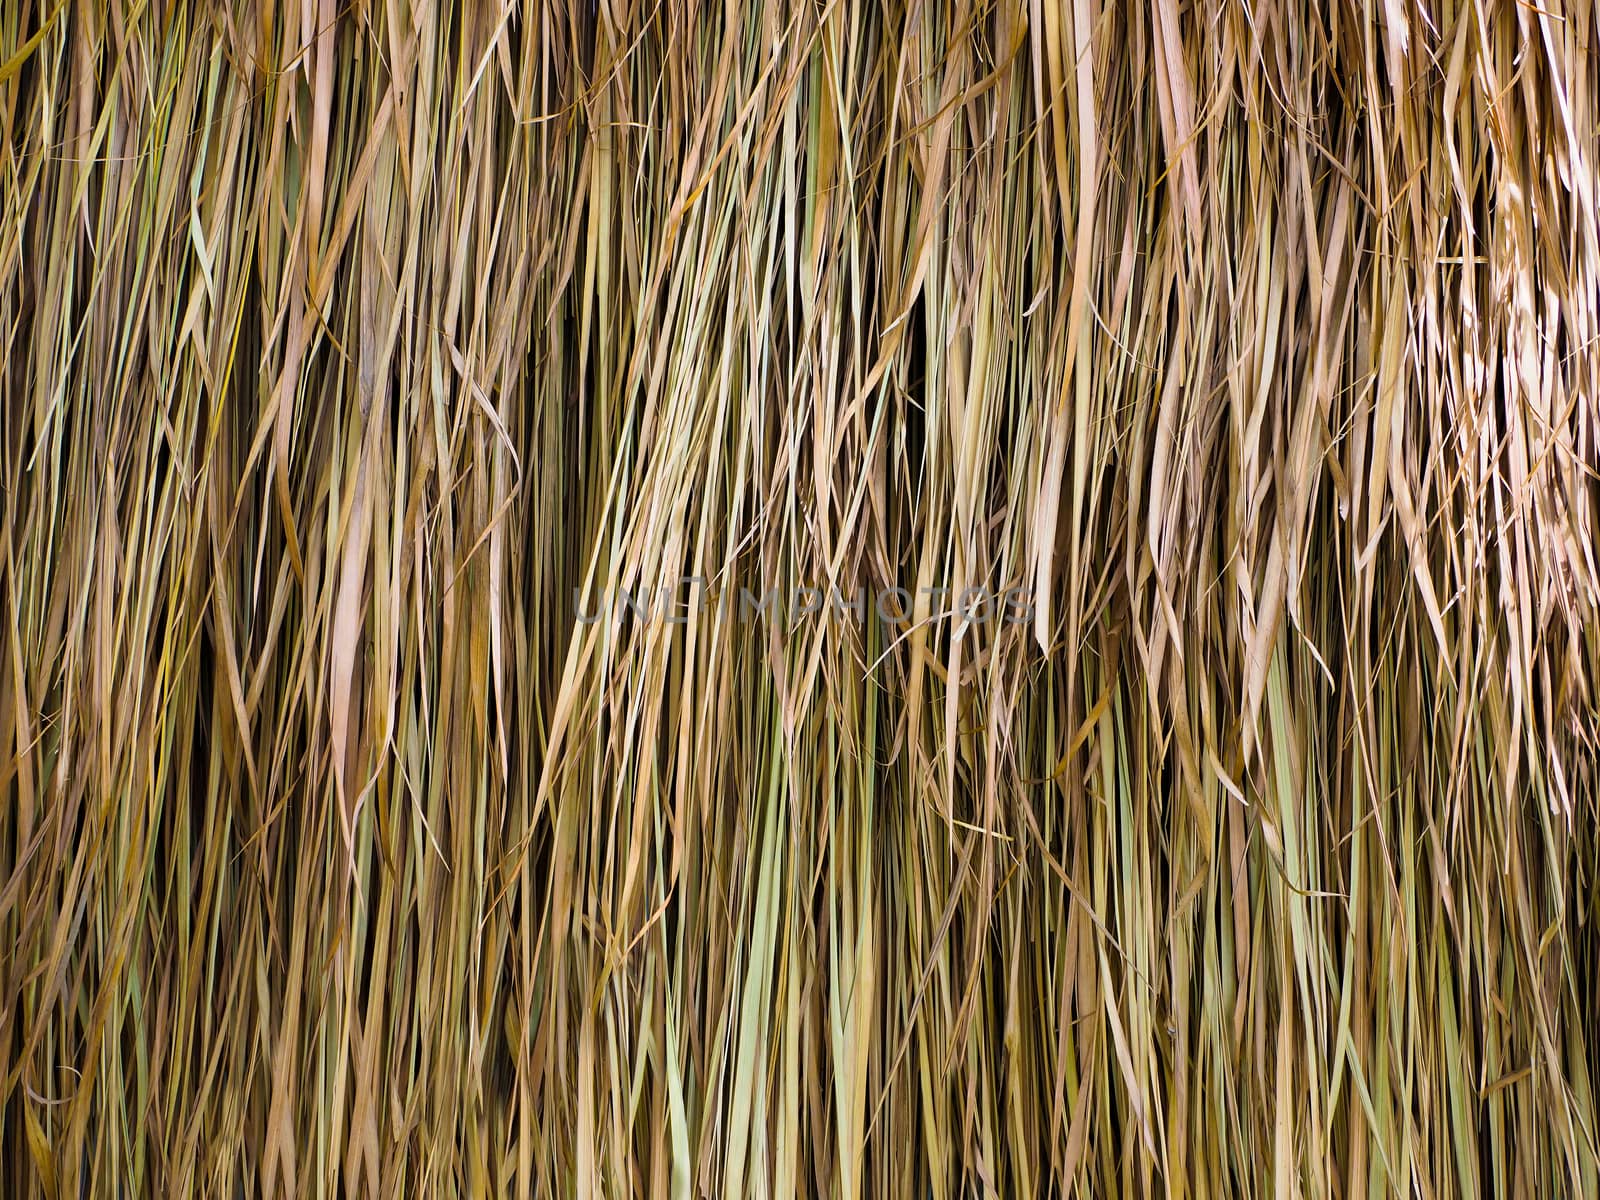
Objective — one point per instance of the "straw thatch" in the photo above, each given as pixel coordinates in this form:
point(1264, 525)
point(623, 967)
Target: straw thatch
point(359, 352)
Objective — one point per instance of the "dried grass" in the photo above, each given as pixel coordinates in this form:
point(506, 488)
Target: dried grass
point(347, 345)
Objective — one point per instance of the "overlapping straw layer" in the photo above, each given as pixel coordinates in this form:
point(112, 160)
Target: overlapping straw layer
point(358, 354)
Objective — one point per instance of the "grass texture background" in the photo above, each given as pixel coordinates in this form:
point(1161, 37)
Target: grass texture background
point(350, 346)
